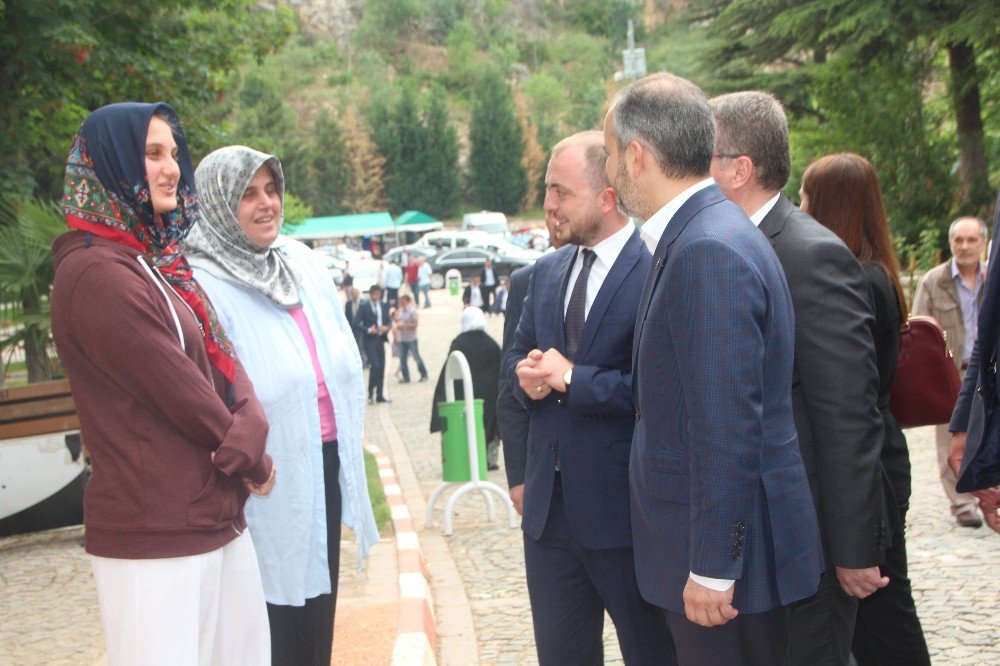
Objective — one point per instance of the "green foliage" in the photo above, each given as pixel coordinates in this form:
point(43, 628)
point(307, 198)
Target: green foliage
point(421, 152)
point(498, 178)
point(63, 59)
point(892, 132)
point(861, 75)
point(607, 18)
point(383, 515)
point(385, 22)
point(295, 210)
point(26, 274)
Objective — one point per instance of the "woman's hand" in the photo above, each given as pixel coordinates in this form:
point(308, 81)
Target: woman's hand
point(262, 488)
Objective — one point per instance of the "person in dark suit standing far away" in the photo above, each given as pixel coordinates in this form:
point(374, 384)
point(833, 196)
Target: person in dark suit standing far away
point(512, 417)
point(475, 295)
point(489, 283)
point(835, 380)
point(374, 321)
point(725, 533)
point(570, 365)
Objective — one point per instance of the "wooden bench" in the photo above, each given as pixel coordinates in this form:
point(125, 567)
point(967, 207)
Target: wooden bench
point(37, 409)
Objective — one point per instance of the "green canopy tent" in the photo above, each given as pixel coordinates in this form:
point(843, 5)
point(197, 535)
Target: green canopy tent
point(342, 226)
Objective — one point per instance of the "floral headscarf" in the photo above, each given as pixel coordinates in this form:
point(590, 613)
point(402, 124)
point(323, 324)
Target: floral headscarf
point(218, 242)
point(106, 194)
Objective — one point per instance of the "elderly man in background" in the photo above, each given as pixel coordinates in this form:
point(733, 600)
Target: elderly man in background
point(952, 293)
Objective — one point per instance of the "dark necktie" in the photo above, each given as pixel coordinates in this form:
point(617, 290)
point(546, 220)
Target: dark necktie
point(578, 305)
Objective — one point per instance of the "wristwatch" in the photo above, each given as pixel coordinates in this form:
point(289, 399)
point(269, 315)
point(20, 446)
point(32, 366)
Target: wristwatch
point(568, 376)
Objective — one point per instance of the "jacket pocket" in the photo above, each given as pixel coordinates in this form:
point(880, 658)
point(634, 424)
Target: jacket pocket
point(214, 505)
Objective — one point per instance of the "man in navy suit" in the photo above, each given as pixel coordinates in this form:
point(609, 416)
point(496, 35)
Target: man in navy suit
point(512, 417)
point(373, 321)
point(570, 365)
point(723, 523)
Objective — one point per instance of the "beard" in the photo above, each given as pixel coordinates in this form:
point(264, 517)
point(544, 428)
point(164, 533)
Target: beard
point(586, 230)
point(631, 201)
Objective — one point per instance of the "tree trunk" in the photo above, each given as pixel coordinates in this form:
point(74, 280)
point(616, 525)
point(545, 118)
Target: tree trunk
point(972, 169)
point(36, 357)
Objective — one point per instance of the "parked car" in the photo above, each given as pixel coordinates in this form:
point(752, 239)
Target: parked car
point(489, 222)
point(366, 273)
point(469, 261)
point(395, 254)
point(443, 240)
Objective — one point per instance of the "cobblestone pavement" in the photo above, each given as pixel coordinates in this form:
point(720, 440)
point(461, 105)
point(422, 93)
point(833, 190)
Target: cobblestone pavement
point(954, 570)
point(48, 607)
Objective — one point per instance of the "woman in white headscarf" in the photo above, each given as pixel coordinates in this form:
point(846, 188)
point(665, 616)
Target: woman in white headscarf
point(288, 328)
point(483, 354)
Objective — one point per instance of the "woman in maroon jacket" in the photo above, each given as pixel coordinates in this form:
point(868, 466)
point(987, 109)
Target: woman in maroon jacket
point(175, 433)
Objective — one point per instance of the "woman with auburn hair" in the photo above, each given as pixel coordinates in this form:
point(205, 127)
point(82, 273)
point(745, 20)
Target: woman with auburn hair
point(842, 192)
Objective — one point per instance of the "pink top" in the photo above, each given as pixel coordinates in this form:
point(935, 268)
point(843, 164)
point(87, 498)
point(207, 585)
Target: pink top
point(327, 417)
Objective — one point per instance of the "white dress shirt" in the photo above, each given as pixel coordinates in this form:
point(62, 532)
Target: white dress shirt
point(607, 252)
point(655, 225)
point(652, 230)
point(762, 212)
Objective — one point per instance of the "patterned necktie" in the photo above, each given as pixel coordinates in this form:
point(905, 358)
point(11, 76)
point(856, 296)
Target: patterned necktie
point(578, 305)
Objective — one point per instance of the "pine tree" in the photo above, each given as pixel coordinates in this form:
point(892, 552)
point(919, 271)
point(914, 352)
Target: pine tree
point(442, 181)
point(364, 193)
point(498, 177)
point(329, 163)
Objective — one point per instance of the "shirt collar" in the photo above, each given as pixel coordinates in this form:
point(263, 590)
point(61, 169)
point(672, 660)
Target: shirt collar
point(762, 212)
point(656, 224)
point(956, 274)
point(607, 250)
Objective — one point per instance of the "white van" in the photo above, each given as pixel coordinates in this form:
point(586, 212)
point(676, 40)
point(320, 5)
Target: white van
point(489, 222)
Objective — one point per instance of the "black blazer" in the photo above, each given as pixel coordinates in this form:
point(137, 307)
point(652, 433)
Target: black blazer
point(365, 319)
point(511, 414)
point(483, 291)
point(835, 384)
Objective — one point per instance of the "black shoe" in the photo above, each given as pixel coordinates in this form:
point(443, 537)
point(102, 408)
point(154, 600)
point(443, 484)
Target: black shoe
point(383, 400)
point(370, 401)
point(969, 518)
point(404, 381)
point(492, 466)
point(424, 378)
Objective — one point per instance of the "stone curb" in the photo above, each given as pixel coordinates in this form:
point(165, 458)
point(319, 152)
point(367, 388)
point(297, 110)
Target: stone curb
point(416, 640)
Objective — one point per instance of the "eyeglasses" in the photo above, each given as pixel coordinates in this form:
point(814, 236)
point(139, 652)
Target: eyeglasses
point(728, 155)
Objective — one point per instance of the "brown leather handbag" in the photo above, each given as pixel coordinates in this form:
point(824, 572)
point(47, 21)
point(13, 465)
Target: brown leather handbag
point(926, 384)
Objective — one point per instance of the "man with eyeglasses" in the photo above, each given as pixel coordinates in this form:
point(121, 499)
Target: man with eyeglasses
point(835, 377)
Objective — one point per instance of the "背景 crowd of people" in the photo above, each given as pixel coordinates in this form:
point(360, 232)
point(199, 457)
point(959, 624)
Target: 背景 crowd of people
point(694, 412)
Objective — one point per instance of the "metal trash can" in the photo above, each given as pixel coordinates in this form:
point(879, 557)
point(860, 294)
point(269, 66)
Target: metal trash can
point(455, 443)
point(454, 280)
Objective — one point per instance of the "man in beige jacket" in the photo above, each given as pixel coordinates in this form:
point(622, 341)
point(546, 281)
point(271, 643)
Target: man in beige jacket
point(951, 293)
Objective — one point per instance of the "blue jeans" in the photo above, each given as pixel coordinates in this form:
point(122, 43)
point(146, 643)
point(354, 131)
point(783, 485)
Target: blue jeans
point(405, 349)
point(426, 291)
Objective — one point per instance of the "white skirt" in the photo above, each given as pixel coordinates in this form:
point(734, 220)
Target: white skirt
point(201, 610)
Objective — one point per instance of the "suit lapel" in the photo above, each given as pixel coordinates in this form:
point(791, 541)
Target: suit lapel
point(699, 200)
point(775, 220)
point(619, 271)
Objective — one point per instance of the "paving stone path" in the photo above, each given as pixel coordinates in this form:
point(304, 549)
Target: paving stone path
point(49, 616)
point(955, 571)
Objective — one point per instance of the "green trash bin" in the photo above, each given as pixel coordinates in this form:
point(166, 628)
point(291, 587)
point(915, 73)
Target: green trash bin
point(454, 279)
point(455, 443)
